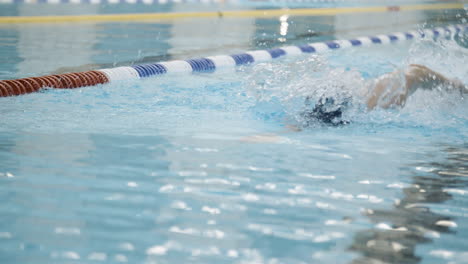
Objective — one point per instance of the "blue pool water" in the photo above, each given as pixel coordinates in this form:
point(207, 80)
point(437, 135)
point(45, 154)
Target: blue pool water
point(202, 168)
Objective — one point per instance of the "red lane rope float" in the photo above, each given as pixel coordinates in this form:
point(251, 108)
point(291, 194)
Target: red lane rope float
point(60, 81)
point(54, 82)
point(67, 81)
point(13, 88)
point(46, 81)
point(2, 87)
point(29, 84)
point(3, 90)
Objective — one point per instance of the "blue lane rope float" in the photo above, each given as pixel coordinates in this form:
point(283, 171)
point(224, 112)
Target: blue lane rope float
point(213, 63)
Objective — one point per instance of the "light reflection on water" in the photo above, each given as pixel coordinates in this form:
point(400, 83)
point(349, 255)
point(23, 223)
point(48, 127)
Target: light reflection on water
point(411, 222)
point(149, 199)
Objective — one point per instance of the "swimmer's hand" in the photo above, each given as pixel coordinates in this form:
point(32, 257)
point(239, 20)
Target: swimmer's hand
point(459, 85)
point(419, 76)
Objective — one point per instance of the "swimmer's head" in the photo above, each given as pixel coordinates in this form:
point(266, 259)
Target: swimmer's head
point(326, 111)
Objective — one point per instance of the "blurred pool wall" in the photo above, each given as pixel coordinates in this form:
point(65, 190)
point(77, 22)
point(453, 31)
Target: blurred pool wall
point(54, 45)
point(212, 34)
point(48, 45)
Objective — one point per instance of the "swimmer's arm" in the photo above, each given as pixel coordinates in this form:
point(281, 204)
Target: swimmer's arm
point(415, 77)
point(388, 91)
point(421, 77)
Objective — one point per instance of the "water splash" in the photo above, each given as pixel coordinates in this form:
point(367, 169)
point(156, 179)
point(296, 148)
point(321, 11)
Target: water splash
point(284, 90)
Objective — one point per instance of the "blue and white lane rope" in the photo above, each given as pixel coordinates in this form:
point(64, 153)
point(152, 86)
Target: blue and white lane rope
point(212, 63)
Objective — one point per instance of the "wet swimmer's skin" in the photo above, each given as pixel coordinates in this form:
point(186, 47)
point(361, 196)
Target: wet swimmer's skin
point(393, 89)
point(387, 91)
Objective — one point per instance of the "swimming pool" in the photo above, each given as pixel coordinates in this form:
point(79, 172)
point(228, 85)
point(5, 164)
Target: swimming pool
point(200, 168)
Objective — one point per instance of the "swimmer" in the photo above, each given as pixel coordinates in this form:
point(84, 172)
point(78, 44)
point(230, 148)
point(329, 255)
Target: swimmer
point(390, 90)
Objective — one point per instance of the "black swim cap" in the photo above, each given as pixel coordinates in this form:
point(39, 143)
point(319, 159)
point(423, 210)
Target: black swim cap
point(326, 111)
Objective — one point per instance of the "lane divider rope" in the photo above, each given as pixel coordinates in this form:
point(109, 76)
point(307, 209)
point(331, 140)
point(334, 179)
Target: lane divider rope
point(212, 63)
point(233, 13)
